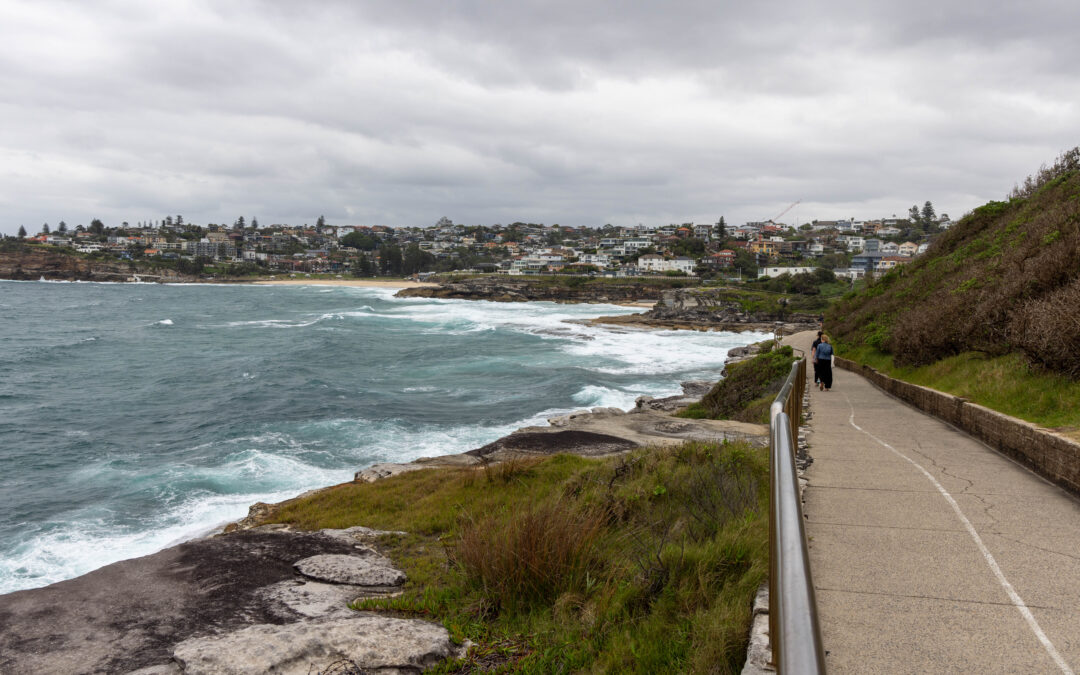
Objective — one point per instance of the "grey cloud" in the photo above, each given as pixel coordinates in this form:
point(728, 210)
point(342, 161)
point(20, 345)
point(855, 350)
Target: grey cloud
point(580, 113)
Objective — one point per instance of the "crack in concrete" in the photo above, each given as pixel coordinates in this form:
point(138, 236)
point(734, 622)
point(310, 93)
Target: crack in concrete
point(1037, 547)
point(931, 597)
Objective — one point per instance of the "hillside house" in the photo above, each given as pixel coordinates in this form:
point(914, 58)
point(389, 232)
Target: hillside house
point(772, 272)
point(908, 249)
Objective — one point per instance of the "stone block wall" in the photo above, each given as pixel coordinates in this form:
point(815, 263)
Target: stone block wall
point(1054, 457)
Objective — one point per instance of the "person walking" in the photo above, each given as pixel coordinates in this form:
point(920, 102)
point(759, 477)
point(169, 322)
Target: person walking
point(817, 378)
point(823, 354)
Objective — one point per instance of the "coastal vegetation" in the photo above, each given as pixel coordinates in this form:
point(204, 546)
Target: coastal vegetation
point(747, 389)
point(647, 562)
point(992, 311)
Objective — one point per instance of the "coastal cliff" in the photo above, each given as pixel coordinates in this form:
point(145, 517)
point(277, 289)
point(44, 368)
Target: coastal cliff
point(568, 289)
point(715, 309)
point(35, 263)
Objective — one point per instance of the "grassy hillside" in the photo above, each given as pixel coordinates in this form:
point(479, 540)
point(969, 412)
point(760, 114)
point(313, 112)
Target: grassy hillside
point(991, 312)
point(747, 390)
point(1005, 279)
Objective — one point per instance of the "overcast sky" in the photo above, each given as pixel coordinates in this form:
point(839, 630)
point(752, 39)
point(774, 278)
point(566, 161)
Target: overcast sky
point(579, 113)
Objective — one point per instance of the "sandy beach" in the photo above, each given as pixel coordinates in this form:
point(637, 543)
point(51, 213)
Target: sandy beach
point(363, 283)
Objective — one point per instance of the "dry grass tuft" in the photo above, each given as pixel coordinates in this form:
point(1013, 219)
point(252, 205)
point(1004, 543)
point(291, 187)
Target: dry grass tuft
point(532, 556)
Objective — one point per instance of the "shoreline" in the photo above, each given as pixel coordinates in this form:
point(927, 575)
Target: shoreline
point(356, 283)
point(589, 432)
point(209, 530)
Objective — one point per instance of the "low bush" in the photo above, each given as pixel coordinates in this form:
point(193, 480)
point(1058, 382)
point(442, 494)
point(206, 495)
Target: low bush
point(747, 389)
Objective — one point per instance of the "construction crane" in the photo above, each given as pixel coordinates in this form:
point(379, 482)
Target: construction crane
point(773, 219)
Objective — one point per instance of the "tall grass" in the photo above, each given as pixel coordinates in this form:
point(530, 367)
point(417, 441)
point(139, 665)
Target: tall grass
point(531, 556)
point(643, 563)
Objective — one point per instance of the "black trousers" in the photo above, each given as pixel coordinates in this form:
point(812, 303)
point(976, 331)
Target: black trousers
point(824, 372)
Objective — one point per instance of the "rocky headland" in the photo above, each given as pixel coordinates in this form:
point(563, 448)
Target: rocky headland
point(31, 264)
point(525, 289)
point(709, 309)
point(692, 307)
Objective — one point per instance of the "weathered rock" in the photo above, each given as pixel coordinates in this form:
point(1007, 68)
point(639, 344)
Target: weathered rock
point(385, 470)
point(128, 615)
point(357, 534)
point(641, 427)
point(170, 668)
point(707, 309)
point(370, 642)
point(313, 599)
point(541, 441)
point(759, 652)
point(696, 388)
point(365, 568)
point(508, 289)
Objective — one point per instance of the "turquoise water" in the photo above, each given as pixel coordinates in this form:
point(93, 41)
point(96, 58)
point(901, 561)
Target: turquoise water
point(134, 416)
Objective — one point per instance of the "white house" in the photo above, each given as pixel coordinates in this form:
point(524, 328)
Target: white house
point(651, 262)
point(771, 272)
point(656, 263)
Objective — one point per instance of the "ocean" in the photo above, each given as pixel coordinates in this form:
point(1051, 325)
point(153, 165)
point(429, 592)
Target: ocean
point(136, 416)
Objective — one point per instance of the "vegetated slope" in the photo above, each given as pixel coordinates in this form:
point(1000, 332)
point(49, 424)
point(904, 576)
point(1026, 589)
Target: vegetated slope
point(747, 390)
point(1005, 279)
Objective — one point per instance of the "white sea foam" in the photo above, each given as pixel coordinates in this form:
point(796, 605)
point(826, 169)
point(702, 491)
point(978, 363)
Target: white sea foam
point(164, 322)
point(286, 323)
point(262, 467)
point(217, 480)
point(66, 550)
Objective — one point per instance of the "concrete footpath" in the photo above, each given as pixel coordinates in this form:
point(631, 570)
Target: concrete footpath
point(930, 552)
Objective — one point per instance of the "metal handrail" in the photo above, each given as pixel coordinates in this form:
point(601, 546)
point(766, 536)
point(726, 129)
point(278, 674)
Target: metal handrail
point(793, 624)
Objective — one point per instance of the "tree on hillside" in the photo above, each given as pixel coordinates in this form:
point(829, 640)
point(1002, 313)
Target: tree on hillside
point(22, 232)
point(914, 215)
point(928, 215)
point(62, 227)
point(391, 259)
point(361, 241)
point(363, 266)
point(179, 220)
point(721, 228)
point(746, 262)
point(45, 228)
point(97, 227)
point(416, 260)
point(239, 224)
point(690, 247)
point(254, 223)
point(320, 223)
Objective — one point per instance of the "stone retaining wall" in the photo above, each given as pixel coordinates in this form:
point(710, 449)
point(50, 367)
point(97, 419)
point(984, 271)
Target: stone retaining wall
point(1051, 456)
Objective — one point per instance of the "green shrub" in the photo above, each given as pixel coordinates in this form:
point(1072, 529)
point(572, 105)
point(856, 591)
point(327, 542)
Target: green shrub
point(748, 388)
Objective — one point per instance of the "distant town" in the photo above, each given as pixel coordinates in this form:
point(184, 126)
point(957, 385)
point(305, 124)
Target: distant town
point(849, 248)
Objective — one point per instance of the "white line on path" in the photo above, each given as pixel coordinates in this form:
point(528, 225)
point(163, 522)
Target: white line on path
point(1017, 601)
